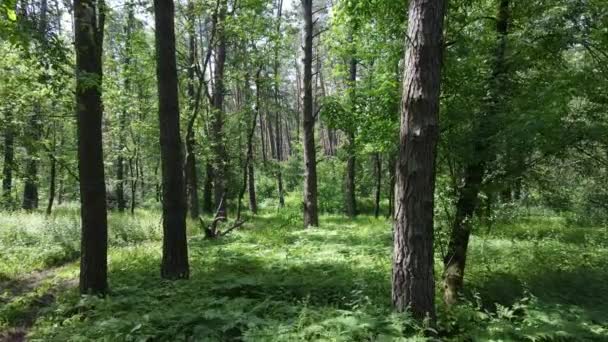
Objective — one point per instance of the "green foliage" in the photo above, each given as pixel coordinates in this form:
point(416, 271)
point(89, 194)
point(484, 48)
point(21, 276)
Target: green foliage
point(534, 279)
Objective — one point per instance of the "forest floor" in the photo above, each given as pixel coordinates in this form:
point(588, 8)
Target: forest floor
point(537, 278)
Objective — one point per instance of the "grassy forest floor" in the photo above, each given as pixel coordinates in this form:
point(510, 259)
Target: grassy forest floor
point(537, 278)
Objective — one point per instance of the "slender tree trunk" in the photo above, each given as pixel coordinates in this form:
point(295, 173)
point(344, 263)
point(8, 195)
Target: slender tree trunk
point(311, 215)
point(191, 174)
point(413, 280)
point(378, 169)
point(30, 189)
point(455, 259)
point(175, 247)
point(263, 138)
point(279, 135)
point(392, 165)
point(52, 175)
point(9, 159)
point(221, 159)
point(89, 18)
point(351, 163)
point(208, 189)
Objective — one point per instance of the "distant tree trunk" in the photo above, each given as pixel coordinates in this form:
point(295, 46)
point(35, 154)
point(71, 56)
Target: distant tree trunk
point(191, 174)
point(413, 280)
point(221, 159)
point(279, 135)
point(175, 247)
point(248, 176)
point(392, 165)
point(263, 138)
point(30, 188)
point(208, 189)
point(311, 215)
point(89, 17)
point(351, 163)
point(455, 259)
point(134, 175)
point(378, 169)
point(52, 175)
point(9, 159)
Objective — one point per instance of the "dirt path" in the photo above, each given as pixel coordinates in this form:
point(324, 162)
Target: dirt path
point(25, 285)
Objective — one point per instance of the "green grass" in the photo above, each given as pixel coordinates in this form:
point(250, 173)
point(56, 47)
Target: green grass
point(534, 279)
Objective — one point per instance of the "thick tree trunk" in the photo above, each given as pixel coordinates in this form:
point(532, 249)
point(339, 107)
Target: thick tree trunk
point(89, 25)
point(221, 159)
point(378, 171)
point(413, 281)
point(311, 215)
point(175, 248)
point(455, 259)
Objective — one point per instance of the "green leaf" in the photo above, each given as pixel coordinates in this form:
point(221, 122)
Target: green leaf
point(11, 14)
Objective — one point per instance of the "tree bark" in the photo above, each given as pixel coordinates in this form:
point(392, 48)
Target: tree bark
point(208, 189)
point(378, 169)
point(175, 248)
point(9, 159)
point(311, 215)
point(191, 174)
point(89, 20)
point(52, 175)
point(351, 163)
point(455, 259)
point(220, 160)
point(413, 282)
point(279, 135)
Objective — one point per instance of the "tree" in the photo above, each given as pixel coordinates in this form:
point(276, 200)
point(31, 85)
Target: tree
point(311, 215)
point(175, 248)
point(413, 284)
point(89, 18)
point(486, 128)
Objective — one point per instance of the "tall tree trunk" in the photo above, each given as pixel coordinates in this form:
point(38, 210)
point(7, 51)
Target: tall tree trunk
point(455, 259)
point(392, 166)
point(34, 134)
point(221, 159)
point(175, 247)
point(191, 174)
point(413, 280)
point(89, 17)
point(351, 163)
point(263, 138)
point(311, 215)
point(277, 104)
point(9, 159)
point(378, 169)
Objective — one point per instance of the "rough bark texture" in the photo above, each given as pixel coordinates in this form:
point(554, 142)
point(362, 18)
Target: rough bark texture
point(311, 215)
point(175, 249)
point(455, 259)
point(413, 283)
point(89, 26)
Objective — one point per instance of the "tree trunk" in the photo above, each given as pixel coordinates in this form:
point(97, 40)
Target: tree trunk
point(89, 17)
point(413, 282)
point(9, 159)
point(221, 160)
point(351, 163)
point(311, 215)
point(191, 175)
point(378, 169)
point(392, 166)
point(52, 176)
point(455, 259)
point(30, 189)
point(208, 189)
point(279, 135)
point(175, 248)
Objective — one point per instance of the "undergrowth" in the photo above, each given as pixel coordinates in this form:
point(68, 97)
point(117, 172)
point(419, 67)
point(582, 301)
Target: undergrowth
point(532, 279)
